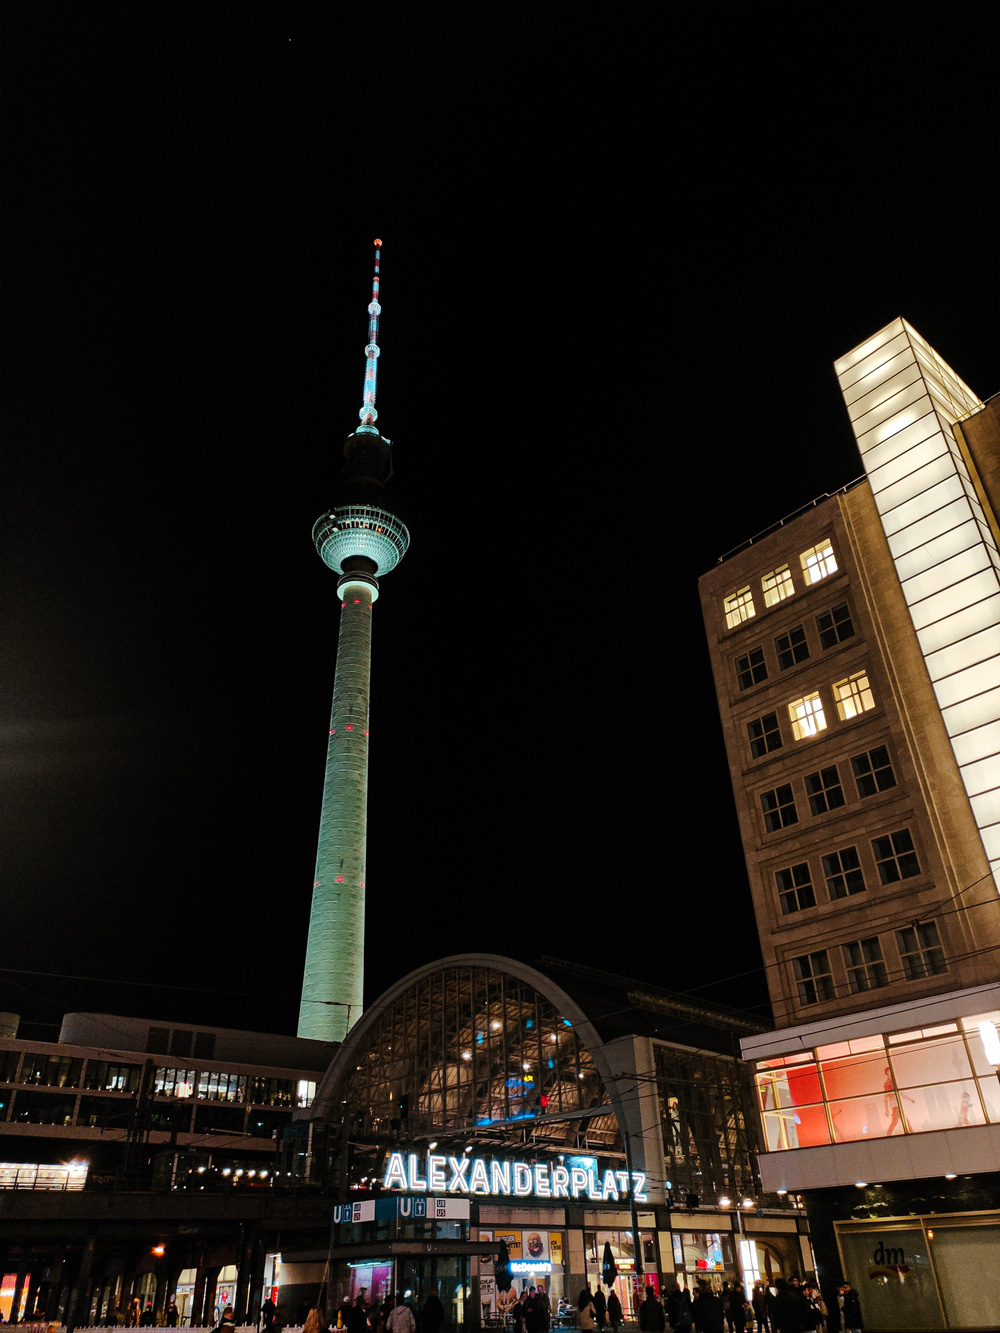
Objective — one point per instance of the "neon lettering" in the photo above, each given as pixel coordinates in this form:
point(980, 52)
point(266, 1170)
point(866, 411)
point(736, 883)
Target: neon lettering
point(479, 1181)
point(395, 1173)
point(543, 1181)
point(610, 1190)
point(415, 1182)
point(578, 1180)
point(435, 1172)
point(500, 1177)
point(458, 1181)
point(560, 1182)
point(522, 1179)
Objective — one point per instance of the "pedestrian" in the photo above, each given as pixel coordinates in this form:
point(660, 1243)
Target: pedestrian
point(679, 1312)
point(173, 1314)
point(758, 1301)
point(401, 1320)
point(615, 1317)
point(737, 1307)
point(586, 1315)
point(600, 1307)
point(815, 1309)
point(432, 1315)
point(651, 1316)
point(545, 1308)
point(853, 1323)
point(707, 1310)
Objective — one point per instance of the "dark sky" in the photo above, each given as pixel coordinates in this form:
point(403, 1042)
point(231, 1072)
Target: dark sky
point(623, 244)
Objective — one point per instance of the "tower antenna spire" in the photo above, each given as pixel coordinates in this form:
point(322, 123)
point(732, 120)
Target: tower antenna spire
point(368, 414)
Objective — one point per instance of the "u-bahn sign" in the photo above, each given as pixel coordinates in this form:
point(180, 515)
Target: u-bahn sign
point(505, 1179)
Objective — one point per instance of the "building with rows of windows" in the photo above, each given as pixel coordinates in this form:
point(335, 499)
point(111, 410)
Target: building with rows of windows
point(138, 1161)
point(856, 652)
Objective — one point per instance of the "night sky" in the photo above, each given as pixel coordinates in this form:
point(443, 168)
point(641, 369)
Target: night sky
point(623, 244)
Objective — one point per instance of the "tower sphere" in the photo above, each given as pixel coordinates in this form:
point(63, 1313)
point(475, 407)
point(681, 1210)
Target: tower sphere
point(367, 530)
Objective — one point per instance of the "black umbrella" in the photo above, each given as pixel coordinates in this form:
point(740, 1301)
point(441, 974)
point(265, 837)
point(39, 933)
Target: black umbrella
point(609, 1269)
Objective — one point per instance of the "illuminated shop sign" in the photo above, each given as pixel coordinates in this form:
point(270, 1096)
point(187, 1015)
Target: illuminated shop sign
point(519, 1180)
point(527, 1267)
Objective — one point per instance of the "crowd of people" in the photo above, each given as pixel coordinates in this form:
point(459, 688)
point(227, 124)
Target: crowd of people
point(786, 1307)
point(393, 1314)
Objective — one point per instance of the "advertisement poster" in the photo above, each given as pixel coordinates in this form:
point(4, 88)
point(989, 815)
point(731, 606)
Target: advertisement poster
point(555, 1248)
point(513, 1239)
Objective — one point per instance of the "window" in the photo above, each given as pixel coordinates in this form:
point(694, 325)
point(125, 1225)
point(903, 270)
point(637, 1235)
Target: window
point(865, 966)
point(751, 669)
point(835, 626)
point(818, 562)
point(813, 977)
point(895, 856)
point(791, 647)
point(873, 771)
point(807, 716)
point(779, 808)
point(795, 890)
point(764, 735)
point(843, 873)
point(739, 607)
point(921, 952)
point(853, 695)
point(777, 585)
point(824, 790)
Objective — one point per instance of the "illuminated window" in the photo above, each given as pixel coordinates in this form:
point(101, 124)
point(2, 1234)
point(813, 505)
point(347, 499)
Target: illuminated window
point(920, 950)
point(835, 626)
point(807, 716)
point(739, 607)
point(873, 771)
point(853, 695)
point(865, 965)
point(813, 977)
point(843, 873)
point(764, 735)
point(777, 585)
point(824, 790)
point(791, 647)
point(795, 890)
point(895, 856)
point(779, 808)
point(818, 562)
point(751, 668)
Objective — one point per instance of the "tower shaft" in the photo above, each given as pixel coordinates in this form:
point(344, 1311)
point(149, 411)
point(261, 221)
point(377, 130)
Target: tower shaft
point(333, 984)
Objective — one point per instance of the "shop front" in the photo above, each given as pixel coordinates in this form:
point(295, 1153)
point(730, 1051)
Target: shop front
point(925, 1272)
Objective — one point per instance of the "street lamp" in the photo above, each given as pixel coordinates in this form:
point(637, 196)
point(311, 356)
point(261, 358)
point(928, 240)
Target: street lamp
point(748, 1266)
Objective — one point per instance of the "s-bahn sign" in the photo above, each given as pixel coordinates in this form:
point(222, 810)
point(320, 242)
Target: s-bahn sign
point(509, 1180)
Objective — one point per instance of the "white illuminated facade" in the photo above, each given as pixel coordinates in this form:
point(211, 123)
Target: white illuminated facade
point(903, 402)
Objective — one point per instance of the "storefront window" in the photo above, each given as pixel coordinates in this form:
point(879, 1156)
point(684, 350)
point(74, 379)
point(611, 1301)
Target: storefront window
point(875, 1087)
point(791, 1103)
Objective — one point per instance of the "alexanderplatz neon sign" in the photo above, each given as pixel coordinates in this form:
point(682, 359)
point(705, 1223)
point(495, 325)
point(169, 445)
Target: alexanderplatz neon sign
point(505, 1179)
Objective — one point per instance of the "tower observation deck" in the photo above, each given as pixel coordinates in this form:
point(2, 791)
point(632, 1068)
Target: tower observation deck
point(359, 538)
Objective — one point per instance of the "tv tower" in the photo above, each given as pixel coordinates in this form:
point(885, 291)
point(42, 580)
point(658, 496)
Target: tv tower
point(358, 538)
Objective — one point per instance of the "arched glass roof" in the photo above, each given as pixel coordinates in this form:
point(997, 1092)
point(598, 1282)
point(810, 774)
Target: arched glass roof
point(472, 1052)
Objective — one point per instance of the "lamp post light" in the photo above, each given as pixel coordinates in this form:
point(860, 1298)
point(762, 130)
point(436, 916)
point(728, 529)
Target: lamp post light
point(746, 1250)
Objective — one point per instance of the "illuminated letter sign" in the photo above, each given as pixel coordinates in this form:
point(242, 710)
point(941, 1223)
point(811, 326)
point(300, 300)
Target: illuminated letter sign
point(482, 1176)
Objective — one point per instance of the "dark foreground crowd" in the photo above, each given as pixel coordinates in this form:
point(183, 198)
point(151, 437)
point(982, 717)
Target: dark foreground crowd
point(787, 1307)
